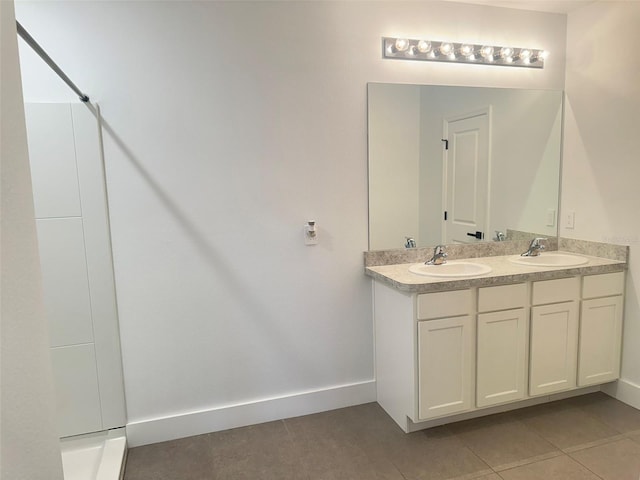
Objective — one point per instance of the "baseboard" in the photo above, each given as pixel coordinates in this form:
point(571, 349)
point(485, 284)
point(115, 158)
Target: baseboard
point(625, 391)
point(249, 413)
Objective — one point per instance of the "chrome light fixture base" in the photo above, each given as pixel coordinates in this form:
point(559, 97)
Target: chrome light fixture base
point(453, 52)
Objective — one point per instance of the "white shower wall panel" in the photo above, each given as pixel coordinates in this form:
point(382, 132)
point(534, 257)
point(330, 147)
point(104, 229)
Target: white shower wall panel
point(77, 394)
point(53, 161)
point(64, 280)
point(75, 250)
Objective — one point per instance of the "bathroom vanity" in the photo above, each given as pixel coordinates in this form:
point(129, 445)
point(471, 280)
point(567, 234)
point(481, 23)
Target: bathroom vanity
point(451, 348)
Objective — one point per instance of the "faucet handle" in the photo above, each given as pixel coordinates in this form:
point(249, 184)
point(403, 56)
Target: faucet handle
point(536, 242)
point(534, 247)
point(439, 256)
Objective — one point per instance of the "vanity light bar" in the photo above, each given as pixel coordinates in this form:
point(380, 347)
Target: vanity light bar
point(438, 51)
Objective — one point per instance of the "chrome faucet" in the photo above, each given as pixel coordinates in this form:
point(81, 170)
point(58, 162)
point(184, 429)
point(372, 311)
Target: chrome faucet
point(439, 256)
point(410, 242)
point(535, 247)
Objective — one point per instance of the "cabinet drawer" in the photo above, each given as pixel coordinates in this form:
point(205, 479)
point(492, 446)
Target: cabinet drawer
point(603, 285)
point(502, 297)
point(444, 304)
point(555, 291)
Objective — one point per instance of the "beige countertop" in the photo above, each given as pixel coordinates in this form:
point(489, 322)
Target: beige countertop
point(502, 272)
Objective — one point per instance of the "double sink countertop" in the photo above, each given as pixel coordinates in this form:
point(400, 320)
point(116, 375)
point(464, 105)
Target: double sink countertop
point(503, 271)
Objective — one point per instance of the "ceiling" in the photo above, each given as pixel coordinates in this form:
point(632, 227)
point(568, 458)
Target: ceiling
point(553, 6)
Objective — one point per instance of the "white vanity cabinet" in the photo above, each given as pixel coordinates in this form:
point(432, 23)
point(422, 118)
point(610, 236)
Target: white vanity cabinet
point(600, 328)
point(554, 335)
point(454, 354)
point(445, 353)
point(502, 326)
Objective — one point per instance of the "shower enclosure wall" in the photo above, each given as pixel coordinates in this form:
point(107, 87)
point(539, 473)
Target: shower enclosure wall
point(75, 252)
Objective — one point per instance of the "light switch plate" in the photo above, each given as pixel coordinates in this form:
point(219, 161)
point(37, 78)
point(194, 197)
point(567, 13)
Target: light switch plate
point(551, 217)
point(570, 220)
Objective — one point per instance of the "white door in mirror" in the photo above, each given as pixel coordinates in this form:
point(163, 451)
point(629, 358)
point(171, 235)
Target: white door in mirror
point(467, 177)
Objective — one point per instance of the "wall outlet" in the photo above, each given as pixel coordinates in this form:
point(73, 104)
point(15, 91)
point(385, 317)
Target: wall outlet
point(551, 217)
point(310, 234)
point(569, 220)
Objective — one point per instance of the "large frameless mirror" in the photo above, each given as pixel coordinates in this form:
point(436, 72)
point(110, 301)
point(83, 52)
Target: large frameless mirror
point(461, 164)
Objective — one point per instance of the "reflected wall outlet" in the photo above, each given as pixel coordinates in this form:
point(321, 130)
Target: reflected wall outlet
point(551, 217)
point(569, 220)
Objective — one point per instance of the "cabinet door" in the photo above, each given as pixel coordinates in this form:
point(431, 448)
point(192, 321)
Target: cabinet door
point(445, 366)
point(501, 360)
point(600, 338)
point(554, 348)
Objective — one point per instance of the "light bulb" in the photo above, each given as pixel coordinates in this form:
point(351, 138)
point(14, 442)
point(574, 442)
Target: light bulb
point(402, 44)
point(538, 56)
point(424, 46)
point(525, 54)
point(446, 48)
point(487, 52)
point(506, 52)
point(467, 50)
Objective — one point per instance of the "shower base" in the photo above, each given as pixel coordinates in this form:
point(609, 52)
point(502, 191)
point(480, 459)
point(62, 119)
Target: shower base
point(95, 456)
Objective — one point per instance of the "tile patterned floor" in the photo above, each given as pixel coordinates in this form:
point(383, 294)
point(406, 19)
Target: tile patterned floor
point(592, 437)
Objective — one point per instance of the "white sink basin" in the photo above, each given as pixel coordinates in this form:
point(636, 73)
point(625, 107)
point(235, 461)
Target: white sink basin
point(450, 269)
point(550, 259)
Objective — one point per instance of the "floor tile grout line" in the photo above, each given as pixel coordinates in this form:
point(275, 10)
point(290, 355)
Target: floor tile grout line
point(555, 453)
point(582, 464)
point(544, 459)
point(632, 433)
point(607, 440)
point(601, 419)
point(595, 443)
point(586, 445)
point(528, 461)
point(448, 429)
point(473, 475)
point(461, 440)
point(584, 409)
point(398, 469)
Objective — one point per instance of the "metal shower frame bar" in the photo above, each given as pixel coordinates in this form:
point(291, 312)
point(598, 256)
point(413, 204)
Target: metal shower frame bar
point(49, 61)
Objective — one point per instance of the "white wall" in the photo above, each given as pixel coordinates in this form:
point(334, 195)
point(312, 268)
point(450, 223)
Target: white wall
point(228, 126)
point(29, 448)
point(601, 145)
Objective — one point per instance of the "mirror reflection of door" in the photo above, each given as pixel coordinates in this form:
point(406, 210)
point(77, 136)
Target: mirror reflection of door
point(466, 177)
